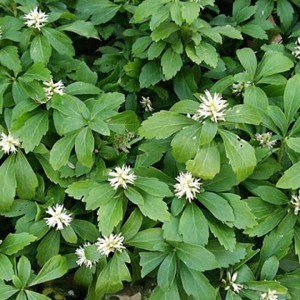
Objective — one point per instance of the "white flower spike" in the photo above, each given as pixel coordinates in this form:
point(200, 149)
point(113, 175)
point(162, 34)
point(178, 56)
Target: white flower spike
point(146, 104)
point(109, 244)
point(52, 88)
point(121, 177)
point(239, 87)
point(296, 51)
point(270, 295)
point(295, 201)
point(230, 283)
point(187, 186)
point(212, 106)
point(264, 140)
point(60, 218)
point(8, 143)
point(36, 19)
point(82, 260)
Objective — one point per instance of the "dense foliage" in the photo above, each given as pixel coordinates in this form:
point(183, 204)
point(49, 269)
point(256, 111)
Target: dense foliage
point(150, 148)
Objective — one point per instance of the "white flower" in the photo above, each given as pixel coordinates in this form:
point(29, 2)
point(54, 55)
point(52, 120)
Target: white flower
point(52, 88)
point(1, 33)
point(110, 243)
point(82, 260)
point(270, 295)
point(36, 19)
point(8, 143)
point(239, 87)
point(121, 176)
point(146, 104)
point(230, 282)
point(187, 185)
point(296, 51)
point(212, 106)
point(59, 217)
point(264, 139)
point(295, 201)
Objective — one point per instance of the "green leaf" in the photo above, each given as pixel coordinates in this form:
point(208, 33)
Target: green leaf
point(82, 28)
point(207, 155)
point(290, 178)
point(223, 233)
point(145, 9)
point(150, 74)
point(285, 12)
point(269, 268)
point(271, 195)
point(111, 277)
point(291, 97)
point(40, 50)
point(54, 268)
point(163, 124)
point(7, 190)
point(132, 225)
point(240, 154)
point(266, 224)
point(31, 295)
point(196, 284)
point(256, 97)
point(149, 261)
point(96, 196)
point(59, 41)
point(24, 270)
point(101, 11)
point(195, 257)
point(84, 147)
point(244, 218)
point(193, 225)
point(217, 205)
point(149, 239)
point(243, 113)
point(110, 215)
point(61, 150)
point(160, 294)
point(69, 235)
point(36, 72)
point(6, 291)
point(171, 63)
point(44, 252)
point(230, 31)
point(82, 88)
point(208, 132)
point(190, 11)
point(224, 257)
point(185, 143)
point(255, 31)
point(153, 186)
point(134, 196)
point(26, 179)
point(6, 268)
point(85, 229)
point(33, 130)
point(293, 143)
point(273, 63)
point(163, 31)
point(9, 58)
point(154, 208)
point(207, 53)
point(15, 242)
point(85, 74)
point(167, 271)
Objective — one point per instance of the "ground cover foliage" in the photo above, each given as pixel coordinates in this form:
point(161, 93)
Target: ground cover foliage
point(150, 148)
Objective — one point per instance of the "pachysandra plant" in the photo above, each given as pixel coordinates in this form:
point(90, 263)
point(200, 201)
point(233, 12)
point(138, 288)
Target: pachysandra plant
point(150, 148)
